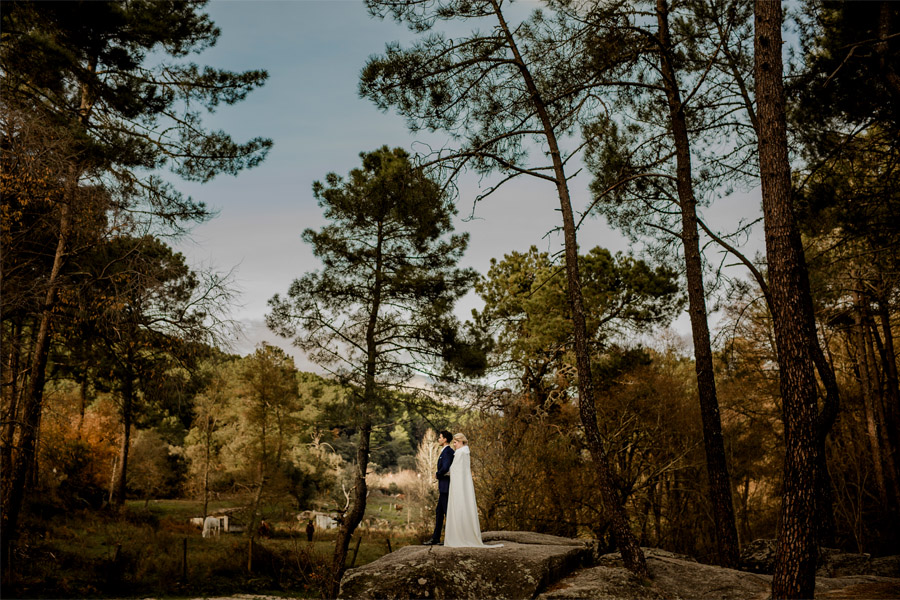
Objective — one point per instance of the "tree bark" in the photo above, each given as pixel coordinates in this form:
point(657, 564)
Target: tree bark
point(357, 509)
point(254, 522)
point(746, 530)
point(892, 389)
point(890, 358)
point(792, 316)
point(826, 529)
point(112, 480)
point(84, 386)
point(263, 472)
point(206, 468)
point(889, 468)
point(720, 494)
point(12, 410)
point(127, 417)
point(34, 394)
point(627, 543)
point(865, 387)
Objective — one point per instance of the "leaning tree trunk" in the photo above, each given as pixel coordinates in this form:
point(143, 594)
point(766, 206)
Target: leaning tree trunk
point(354, 516)
point(34, 394)
point(792, 316)
point(627, 543)
point(716, 466)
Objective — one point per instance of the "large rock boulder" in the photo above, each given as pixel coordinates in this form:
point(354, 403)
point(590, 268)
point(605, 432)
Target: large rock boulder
point(558, 568)
point(837, 563)
point(675, 577)
point(759, 557)
point(526, 564)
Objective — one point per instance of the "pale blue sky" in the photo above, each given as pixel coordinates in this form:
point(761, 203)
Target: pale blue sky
point(313, 51)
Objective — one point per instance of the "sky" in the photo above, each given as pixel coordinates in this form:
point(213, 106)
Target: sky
point(313, 51)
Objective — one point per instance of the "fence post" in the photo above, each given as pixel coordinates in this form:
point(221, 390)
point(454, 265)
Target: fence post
point(356, 551)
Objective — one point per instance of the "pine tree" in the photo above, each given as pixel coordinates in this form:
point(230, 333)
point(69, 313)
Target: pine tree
point(110, 75)
point(379, 311)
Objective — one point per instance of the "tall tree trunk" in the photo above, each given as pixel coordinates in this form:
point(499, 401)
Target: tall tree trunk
point(865, 387)
point(262, 470)
point(826, 526)
point(209, 426)
point(83, 396)
point(826, 530)
point(357, 510)
point(112, 481)
point(892, 388)
point(889, 468)
point(254, 513)
point(746, 530)
point(11, 415)
point(34, 395)
point(627, 543)
point(828, 415)
point(716, 466)
point(792, 316)
point(890, 359)
point(127, 417)
point(33, 471)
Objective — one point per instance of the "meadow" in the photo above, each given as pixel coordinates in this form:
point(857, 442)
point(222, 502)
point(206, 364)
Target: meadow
point(152, 549)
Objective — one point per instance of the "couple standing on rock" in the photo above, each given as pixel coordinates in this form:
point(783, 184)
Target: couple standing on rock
point(457, 496)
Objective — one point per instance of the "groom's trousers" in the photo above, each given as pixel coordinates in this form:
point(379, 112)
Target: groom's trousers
point(440, 512)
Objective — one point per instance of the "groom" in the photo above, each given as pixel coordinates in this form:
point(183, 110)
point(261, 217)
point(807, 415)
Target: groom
point(443, 468)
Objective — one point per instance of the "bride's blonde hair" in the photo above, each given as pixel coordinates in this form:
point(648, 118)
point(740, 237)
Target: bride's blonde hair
point(461, 438)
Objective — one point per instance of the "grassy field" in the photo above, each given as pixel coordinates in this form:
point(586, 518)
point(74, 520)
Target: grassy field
point(153, 550)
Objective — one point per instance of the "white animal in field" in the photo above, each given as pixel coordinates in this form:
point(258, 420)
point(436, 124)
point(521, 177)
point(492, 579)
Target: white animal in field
point(211, 526)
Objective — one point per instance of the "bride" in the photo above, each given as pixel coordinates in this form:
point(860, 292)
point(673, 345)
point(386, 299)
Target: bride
point(463, 528)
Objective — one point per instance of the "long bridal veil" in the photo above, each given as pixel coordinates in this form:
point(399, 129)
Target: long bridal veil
point(463, 529)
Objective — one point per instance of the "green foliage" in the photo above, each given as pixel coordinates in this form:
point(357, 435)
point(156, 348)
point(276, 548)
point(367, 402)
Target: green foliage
point(151, 474)
point(102, 95)
point(629, 144)
point(526, 307)
point(474, 86)
point(389, 280)
point(113, 74)
point(844, 114)
point(849, 70)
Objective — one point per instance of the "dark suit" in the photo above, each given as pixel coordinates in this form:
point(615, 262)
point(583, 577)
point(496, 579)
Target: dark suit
point(443, 477)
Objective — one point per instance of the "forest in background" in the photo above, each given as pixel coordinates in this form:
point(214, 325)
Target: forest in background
point(586, 415)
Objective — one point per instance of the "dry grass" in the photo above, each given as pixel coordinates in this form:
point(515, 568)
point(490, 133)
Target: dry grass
point(406, 481)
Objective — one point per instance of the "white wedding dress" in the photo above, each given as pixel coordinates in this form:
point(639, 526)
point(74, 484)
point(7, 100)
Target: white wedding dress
point(463, 529)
